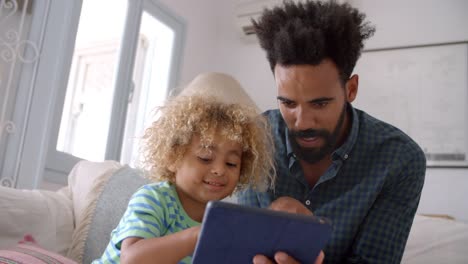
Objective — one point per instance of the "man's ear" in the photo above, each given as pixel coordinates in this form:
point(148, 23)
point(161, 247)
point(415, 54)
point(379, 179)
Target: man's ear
point(351, 88)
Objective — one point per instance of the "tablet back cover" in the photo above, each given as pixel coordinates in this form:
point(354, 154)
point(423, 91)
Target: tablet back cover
point(233, 233)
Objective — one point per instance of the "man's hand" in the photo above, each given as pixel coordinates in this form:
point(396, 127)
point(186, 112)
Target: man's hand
point(283, 258)
point(290, 205)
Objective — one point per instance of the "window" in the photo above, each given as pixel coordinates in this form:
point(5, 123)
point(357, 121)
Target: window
point(88, 103)
point(90, 115)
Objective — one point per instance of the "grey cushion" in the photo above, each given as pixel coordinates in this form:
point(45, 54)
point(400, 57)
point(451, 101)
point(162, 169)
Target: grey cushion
point(110, 207)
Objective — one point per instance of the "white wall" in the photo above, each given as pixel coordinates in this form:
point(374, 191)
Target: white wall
point(399, 23)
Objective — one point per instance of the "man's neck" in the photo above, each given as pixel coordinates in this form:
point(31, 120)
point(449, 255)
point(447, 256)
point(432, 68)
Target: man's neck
point(313, 172)
point(346, 127)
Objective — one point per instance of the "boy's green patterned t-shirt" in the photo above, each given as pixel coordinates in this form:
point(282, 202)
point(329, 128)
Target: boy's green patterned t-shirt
point(153, 211)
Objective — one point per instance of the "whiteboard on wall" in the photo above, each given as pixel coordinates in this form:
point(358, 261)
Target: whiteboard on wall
point(424, 92)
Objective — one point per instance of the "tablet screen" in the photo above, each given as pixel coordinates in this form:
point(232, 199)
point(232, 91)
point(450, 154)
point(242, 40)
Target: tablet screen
point(234, 233)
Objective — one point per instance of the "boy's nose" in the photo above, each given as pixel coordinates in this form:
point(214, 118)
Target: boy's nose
point(217, 170)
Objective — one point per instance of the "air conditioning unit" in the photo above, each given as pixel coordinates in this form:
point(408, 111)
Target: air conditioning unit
point(246, 10)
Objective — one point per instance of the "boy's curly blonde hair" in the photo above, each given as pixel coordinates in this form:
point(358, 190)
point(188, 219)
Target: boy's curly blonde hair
point(169, 137)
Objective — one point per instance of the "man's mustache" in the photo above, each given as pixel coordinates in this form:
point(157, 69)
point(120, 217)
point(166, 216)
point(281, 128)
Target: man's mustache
point(309, 133)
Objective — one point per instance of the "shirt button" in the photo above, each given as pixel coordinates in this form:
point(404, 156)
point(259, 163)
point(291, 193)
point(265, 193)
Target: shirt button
point(307, 202)
point(345, 156)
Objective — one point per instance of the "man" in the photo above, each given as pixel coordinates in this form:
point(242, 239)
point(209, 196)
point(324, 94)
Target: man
point(334, 160)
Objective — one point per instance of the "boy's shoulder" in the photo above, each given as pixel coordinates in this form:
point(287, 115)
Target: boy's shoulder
point(163, 191)
point(159, 186)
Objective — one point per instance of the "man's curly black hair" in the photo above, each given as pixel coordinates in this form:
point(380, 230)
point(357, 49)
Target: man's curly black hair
point(308, 32)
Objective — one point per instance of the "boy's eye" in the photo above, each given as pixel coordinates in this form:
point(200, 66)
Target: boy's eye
point(204, 159)
point(230, 164)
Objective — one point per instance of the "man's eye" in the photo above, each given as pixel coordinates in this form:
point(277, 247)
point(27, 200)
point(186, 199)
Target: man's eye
point(288, 104)
point(320, 104)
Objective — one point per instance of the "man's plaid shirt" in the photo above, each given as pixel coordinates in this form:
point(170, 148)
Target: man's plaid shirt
point(370, 192)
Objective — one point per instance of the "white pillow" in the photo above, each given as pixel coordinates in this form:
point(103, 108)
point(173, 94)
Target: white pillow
point(46, 215)
point(50, 217)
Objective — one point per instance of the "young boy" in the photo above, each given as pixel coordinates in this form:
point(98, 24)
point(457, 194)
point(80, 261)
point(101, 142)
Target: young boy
point(199, 149)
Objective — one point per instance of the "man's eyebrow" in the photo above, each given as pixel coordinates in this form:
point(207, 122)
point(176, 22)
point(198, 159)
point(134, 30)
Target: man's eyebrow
point(321, 100)
point(313, 101)
point(283, 99)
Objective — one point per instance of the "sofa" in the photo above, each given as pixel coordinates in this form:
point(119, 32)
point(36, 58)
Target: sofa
point(76, 221)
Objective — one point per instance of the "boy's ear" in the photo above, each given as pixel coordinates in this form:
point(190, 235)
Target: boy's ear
point(173, 167)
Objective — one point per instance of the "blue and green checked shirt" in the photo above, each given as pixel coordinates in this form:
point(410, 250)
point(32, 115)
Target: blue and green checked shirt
point(370, 192)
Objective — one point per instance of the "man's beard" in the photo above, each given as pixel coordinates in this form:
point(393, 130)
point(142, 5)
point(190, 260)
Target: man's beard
point(314, 155)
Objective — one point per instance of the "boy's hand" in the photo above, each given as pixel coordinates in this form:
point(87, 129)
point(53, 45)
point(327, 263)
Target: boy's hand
point(167, 249)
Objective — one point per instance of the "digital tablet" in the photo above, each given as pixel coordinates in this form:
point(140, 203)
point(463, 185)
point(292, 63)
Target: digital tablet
point(233, 233)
